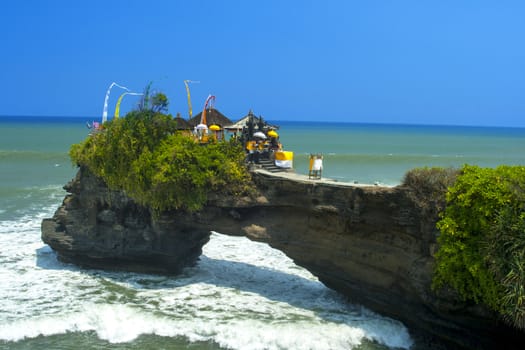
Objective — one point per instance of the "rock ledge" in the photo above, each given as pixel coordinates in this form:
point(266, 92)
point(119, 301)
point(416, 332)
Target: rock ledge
point(372, 244)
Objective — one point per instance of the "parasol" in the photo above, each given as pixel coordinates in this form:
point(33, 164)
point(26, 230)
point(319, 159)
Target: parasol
point(259, 134)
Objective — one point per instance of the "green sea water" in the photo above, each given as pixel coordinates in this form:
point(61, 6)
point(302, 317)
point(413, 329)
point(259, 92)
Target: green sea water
point(241, 294)
point(378, 153)
point(34, 160)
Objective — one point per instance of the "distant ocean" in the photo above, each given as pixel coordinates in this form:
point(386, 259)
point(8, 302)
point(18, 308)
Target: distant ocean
point(383, 153)
point(242, 294)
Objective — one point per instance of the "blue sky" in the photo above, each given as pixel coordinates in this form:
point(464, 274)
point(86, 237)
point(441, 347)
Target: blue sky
point(425, 62)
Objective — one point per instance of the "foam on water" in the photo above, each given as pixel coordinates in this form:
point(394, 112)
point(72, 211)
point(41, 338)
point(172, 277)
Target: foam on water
point(29, 202)
point(123, 323)
point(241, 295)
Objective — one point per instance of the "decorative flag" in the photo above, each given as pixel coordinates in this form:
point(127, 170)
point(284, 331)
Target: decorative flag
point(117, 108)
point(209, 101)
point(188, 93)
point(105, 111)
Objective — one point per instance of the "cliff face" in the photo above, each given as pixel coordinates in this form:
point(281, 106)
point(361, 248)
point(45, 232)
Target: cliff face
point(100, 228)
point(372, 244)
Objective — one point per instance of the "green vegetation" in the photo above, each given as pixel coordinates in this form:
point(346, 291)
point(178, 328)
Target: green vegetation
point(428, 187)
point(482, 233)
point(482, 240)
point(158, 166)
point(482, 227)
point(159, 102)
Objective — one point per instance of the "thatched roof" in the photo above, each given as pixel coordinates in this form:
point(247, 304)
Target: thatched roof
point(213, 116)
point(243, 122)
point(240, 124)
point(182, 124)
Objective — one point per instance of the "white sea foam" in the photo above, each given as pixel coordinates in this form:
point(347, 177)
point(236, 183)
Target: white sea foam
point(241, 295)
point(124, 323)
point(115, 323)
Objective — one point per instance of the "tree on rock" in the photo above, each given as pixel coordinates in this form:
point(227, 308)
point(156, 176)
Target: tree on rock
point(145, 155)
point(159, 103)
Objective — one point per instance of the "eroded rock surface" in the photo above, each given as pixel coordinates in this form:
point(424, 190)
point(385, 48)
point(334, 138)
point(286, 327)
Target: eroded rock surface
point(97, 227)
point(373, 244)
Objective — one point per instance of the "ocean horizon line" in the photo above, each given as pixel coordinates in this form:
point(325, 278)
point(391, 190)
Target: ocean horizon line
point(51, 118)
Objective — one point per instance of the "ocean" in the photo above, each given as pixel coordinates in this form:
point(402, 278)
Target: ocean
point(241, 294)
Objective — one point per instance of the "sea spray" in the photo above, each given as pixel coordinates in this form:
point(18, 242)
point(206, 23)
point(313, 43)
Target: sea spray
point(241, 295)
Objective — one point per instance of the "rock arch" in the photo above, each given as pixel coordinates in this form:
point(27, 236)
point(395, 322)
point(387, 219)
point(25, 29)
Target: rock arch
point(372, 244)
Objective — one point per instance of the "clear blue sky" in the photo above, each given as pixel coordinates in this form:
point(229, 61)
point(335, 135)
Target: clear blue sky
point(426, 62)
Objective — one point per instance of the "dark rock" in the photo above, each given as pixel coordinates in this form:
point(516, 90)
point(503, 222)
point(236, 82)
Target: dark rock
point(99, 228)
point(373, 244)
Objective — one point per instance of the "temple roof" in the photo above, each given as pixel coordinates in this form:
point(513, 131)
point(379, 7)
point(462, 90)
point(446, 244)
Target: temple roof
point(182, 124)
point(213, 116)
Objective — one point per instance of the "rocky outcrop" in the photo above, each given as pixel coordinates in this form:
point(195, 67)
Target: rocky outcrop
point(100, 228)
point(373, 244)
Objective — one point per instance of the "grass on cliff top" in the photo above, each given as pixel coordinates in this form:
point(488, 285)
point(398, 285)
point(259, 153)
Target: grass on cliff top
point(159, 167)
point(428, 186)
point(482, 233)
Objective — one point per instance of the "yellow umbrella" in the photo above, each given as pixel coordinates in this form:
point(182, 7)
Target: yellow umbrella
point(272, 133)
point(215, 127)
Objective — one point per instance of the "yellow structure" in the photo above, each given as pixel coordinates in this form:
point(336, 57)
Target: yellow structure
point(284, 159)
point(189, 97)
point(217, 132)
point(273, 133)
